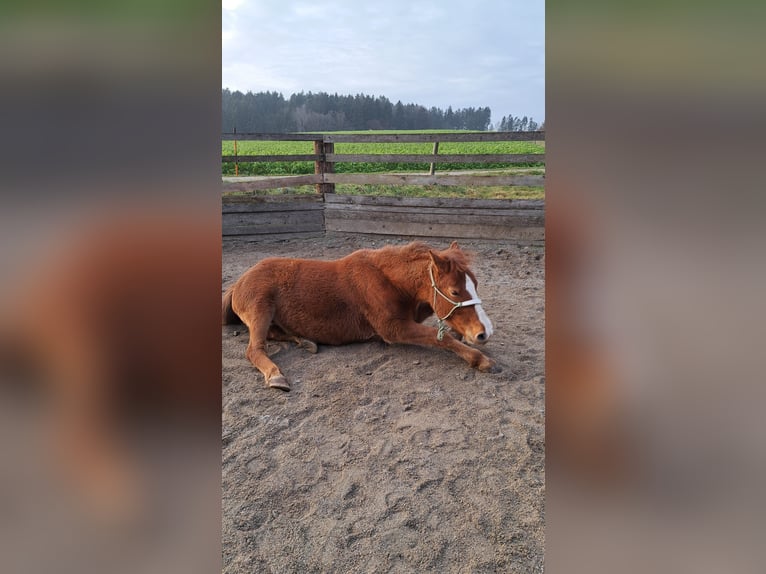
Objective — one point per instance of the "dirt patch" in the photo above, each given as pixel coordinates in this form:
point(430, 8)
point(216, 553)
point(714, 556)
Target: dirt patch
point(389, 458)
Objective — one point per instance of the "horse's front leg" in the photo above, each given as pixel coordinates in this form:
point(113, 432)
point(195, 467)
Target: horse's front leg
point(416, 334)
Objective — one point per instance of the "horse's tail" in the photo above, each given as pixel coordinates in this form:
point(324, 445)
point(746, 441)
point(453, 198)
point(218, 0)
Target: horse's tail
point(228, 316)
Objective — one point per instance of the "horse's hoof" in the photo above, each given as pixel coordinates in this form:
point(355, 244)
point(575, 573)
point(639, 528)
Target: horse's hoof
point(279, 382)
point(310, 346)
point(487, 365)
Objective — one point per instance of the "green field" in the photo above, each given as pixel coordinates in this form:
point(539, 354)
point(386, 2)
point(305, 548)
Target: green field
point(307, 167)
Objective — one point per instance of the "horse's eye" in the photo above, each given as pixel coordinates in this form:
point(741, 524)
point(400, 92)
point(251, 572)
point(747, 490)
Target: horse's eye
point(454, 292)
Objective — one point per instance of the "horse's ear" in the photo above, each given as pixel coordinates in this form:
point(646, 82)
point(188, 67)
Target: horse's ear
point(454, 245)
point(441, 263)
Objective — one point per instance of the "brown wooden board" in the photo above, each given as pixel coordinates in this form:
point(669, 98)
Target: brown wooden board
point(267, 158)
point(436, 202)
point(387, 138)
point(443, 158)
point(423, 216)
point(248, 184)
point(410, 179)
point(432, 137)
point(270, 207)
point(272, 222)
point(448, 230)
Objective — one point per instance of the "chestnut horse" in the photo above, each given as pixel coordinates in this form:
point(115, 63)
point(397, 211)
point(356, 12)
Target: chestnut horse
point(372, 293)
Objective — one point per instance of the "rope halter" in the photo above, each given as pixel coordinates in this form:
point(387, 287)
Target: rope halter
point(441, 321)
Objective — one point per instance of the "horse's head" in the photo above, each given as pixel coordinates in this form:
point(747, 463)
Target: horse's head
point(455, 300)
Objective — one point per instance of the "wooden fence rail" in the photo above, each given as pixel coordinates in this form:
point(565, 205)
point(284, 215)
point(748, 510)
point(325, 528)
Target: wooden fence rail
point(395, 158)
point(325, 158)
point(391, 138)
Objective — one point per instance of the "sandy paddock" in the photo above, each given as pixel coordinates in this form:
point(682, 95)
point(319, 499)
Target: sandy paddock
point(389, 458)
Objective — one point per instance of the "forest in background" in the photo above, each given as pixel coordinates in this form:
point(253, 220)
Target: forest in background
point(271, 112)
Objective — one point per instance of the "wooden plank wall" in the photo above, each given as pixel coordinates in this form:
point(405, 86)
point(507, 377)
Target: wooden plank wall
point(507, 219)
point(249, 216)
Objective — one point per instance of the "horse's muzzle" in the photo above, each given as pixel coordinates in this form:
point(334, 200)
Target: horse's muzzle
point(477, 339)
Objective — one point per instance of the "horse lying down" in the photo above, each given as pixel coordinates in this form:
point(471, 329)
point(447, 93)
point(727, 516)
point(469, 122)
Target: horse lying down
point(372, 293)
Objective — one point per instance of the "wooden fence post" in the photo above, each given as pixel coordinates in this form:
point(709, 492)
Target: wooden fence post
point(322, 166)
point(236, 163)
point(433, 165)
point(319, 164)
point(329, 167)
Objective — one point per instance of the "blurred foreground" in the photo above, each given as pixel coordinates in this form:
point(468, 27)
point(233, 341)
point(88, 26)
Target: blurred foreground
point(655, 275)
point(109, 296)
point(111, 395)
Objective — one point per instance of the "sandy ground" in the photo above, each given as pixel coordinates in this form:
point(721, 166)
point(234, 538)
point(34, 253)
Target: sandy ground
point(389, 458)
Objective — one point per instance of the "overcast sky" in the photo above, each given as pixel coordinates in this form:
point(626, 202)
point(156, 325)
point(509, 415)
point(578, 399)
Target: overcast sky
point(434, 53)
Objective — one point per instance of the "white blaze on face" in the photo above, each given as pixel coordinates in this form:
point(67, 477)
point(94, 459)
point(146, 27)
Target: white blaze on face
point(471, 288)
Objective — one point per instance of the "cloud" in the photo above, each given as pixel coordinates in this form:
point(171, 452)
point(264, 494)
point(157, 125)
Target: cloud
point(431, 53)
point(231, 4)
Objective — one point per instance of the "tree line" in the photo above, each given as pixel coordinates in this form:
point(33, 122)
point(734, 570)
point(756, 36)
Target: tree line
point(271, 112)
point(525, 124)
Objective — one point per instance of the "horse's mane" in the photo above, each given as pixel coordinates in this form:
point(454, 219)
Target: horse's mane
point(418, 250)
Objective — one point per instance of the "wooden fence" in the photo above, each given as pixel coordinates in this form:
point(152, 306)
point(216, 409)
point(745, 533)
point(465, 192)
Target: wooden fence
point(511, 219)
point(461, 218)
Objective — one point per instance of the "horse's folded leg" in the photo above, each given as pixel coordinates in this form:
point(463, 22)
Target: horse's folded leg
point(476, 359)
point(487, 365)
point(277, 334)
point(417, 334)
point(310, 346)
point(278, 382)
point(473, 357)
